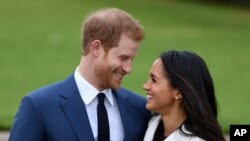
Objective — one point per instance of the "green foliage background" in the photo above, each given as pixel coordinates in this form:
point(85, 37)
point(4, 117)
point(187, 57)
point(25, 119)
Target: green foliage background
point(40, 44)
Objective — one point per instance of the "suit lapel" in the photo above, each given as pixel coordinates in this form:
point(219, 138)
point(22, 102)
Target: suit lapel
point(126, 112)
point(74, 110)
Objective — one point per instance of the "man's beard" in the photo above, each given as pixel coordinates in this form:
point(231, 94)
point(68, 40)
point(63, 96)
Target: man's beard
point(106, 78)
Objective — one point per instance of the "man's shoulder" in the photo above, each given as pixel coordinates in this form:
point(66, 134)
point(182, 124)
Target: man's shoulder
point(48, 90)
point(131, 97)
point(128, 93)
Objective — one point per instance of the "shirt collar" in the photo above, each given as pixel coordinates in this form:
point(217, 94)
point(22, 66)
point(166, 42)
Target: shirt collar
point(88, 92)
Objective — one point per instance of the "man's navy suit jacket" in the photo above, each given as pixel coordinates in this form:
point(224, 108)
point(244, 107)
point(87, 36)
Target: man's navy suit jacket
point(57, 113)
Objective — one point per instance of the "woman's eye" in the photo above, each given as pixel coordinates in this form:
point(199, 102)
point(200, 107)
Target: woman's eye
point(153, 79)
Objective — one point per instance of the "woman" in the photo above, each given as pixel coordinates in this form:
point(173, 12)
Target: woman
point(180, 91)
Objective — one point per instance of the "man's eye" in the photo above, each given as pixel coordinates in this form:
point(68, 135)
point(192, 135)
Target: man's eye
point(123, 58)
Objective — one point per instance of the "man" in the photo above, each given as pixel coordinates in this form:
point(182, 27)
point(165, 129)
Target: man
point(67, 110)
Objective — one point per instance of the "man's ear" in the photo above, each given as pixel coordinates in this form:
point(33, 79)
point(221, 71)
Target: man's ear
point(95, 48)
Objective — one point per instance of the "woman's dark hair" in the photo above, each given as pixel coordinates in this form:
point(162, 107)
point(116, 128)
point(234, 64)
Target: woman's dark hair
point(189, 73)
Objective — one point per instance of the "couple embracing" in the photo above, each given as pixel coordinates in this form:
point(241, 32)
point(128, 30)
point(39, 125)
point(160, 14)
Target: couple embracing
point(91, 105)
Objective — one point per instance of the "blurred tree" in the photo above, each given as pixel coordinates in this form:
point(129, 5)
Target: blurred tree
point(241, 3)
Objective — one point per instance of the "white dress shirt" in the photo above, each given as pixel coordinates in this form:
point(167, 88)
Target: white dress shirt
point(89, 96)
point(175, 136)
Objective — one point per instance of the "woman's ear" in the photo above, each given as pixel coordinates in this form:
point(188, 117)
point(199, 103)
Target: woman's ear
point(178, 95)
point(95, 48)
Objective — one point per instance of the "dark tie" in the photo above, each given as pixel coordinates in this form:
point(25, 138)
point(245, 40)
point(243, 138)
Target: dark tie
point(102, 116)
